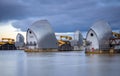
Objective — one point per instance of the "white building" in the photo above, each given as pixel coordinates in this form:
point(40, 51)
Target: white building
point(98, 36)
point(41, 36)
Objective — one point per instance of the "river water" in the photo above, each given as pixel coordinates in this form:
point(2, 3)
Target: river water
point(20, 63)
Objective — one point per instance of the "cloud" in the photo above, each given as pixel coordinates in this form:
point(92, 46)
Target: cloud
point(23, 24)
point(64, 15)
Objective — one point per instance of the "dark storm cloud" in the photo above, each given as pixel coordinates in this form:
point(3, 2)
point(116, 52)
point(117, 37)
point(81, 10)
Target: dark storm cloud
point(64, 15)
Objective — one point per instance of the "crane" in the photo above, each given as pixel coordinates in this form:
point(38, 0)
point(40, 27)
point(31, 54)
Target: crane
point(7, 40)
point(65, 45)
point(117, 35)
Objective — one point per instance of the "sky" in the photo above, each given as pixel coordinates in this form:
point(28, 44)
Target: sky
point(63, 15)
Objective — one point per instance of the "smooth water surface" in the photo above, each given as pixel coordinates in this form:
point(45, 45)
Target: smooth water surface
point(20, 63)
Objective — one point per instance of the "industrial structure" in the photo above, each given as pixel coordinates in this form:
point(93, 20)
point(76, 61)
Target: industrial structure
point(65, 44)
point(98, 37)
point(115, 42)
point(41, 37)
point(69, 42)
point(7, 44)
point(19, 41)
point(77, 42)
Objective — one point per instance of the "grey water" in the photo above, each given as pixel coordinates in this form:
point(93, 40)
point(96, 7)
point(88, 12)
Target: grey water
point(20, 63)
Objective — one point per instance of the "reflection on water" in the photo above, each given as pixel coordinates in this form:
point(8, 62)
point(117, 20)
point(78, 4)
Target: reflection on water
point(12, 63)
point(20, 63)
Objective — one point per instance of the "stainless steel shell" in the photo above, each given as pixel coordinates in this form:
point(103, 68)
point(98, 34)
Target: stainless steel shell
point(44, 35)
point(103, 33)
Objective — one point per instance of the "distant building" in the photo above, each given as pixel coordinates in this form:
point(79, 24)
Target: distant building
point(40, 36)
point(78, 37)
point(19, 41)
point(98, 36)
point(77, 41)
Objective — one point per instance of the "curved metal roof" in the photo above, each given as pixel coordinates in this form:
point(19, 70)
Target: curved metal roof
point(103, 32)
point(44, 33)
point(102, 29)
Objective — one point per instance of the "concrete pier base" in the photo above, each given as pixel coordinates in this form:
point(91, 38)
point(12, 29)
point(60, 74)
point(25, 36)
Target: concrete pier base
point(41, 50)
point(111, 51)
